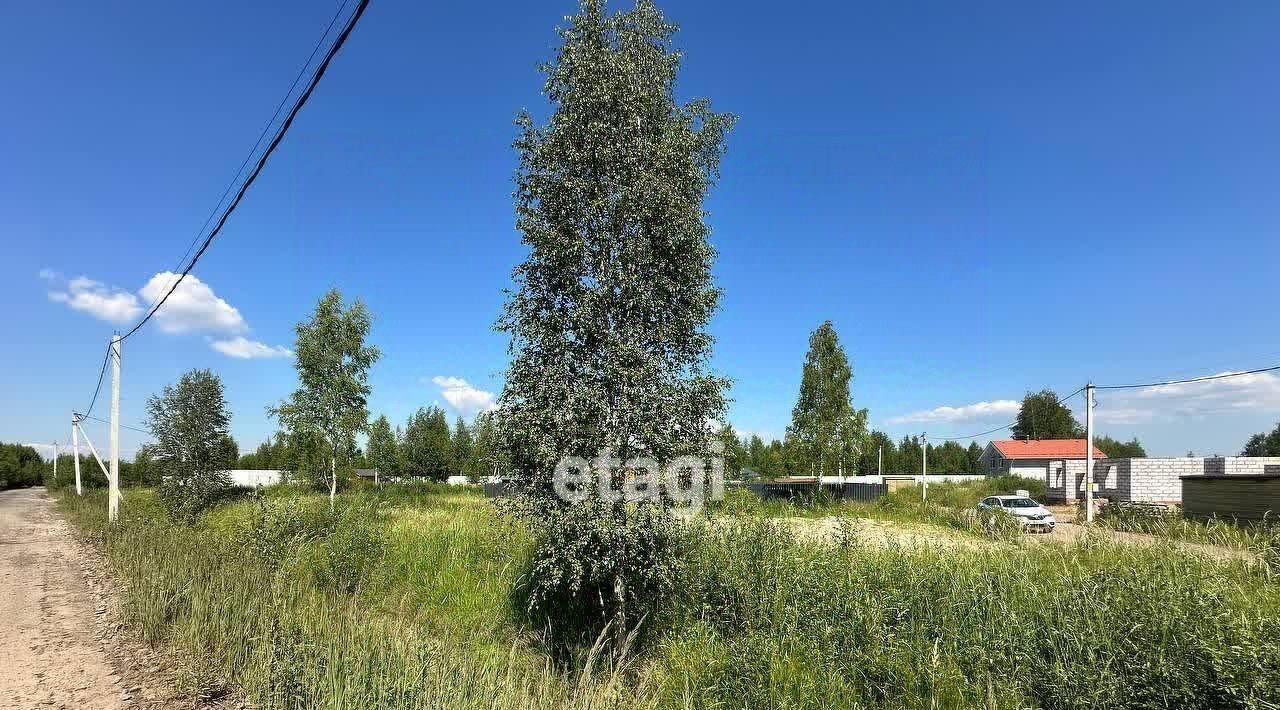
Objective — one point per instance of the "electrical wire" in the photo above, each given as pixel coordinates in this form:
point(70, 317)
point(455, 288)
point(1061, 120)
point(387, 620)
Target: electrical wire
point(262, 134)
point(1206, 378)
point(98, 387)
point(1059, 400)
point(122, 426)
point(262, 161)
point(279, 136)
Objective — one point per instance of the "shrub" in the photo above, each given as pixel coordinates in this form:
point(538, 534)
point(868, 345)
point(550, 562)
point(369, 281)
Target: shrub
point(1267, 546)
point(343, 558)
point(275, 528)
point(598, 571)
point(1000, 525)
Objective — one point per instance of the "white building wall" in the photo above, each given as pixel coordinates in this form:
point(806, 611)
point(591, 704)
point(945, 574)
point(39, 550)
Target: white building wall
point(255, 478)
point(1159, 480)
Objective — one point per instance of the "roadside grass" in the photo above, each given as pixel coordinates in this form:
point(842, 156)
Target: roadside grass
point(1262, 538)
point(402, 600)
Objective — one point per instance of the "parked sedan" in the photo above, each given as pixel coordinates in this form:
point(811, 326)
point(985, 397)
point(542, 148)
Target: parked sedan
point(1032, 515)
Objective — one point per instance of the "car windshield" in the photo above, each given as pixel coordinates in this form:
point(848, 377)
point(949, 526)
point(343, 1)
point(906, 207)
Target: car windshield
point(1019, 503)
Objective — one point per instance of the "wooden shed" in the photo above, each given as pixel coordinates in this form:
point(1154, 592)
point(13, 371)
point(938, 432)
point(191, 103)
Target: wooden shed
point(1244, 497)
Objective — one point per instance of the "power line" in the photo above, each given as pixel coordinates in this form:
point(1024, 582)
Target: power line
point(1206, 378)
point(262, 161)
point(98, 387)
point(122, 426)
point(1059, 400)
point(262, 134)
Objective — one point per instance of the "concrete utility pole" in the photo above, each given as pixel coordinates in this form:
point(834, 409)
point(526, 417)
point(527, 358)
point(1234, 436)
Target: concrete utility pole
point(1088, 460)
point(55, 462)
point(113, 494)
point(924, 467)
point(75, 449)
point(880, 461)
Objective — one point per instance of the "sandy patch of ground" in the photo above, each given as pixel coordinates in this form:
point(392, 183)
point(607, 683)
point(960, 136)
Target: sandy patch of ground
point(884, 533)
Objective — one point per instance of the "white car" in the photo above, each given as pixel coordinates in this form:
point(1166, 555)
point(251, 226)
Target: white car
point(1032, 514)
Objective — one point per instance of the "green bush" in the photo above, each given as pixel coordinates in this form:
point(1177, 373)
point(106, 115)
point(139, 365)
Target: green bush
point(597, 572)
point(21, 466)
point(350, 549)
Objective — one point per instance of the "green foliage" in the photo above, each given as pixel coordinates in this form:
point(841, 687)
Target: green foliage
point(1266, 545)
point(598, 572)
point(384, 450)
point(608, 320)
point(191, 452)
point(333, 369)
point(1169, 523)
point(462, 447)
point(826, 430)
point(21, 466)
point(1042, 416)
point(1263, 444)
point(776, 623)
point(756, 618)
point(1116, 449)
point(486, 450)
point(1000, 525)
point(350, 548)
point(426, 449)
point(734, 453)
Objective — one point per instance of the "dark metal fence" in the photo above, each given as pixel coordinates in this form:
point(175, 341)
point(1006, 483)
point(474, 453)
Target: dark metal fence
point(840, 491)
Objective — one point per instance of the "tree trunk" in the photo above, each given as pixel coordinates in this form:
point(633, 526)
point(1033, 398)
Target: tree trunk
point(333, 480)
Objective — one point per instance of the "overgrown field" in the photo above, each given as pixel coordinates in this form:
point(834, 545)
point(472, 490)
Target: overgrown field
point(405, 600)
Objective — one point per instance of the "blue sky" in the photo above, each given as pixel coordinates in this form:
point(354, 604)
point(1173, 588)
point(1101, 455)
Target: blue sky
point(985, 198)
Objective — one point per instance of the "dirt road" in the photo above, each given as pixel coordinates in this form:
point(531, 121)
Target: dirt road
point(50, 656)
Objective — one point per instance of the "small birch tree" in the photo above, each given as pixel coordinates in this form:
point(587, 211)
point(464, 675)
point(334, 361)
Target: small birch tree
point(333, 371)
point(826, 431)
point(189, 421)
point(384, 454)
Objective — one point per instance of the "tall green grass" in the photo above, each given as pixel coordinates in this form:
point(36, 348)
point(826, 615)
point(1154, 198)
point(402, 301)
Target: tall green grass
point(402, 599)
point(1171, 524)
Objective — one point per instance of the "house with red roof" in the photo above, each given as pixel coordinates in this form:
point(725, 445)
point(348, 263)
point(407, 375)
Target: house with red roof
point(1060, 463)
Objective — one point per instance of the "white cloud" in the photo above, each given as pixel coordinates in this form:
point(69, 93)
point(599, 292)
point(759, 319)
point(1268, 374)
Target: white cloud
point(245, 349)
point(464, 398)
point(1002, 407)
point(1259, 391)
point(192, 307)
point(92, 297)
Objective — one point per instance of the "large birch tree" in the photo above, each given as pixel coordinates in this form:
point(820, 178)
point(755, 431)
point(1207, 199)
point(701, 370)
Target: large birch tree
point(608, 321)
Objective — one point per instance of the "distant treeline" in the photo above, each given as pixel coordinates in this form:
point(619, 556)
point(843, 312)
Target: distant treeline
point(425, 447)
point(20, 466)
point(778, 458)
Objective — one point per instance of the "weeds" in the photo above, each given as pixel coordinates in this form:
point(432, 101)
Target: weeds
point(747, 617)
point(1168, 523)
